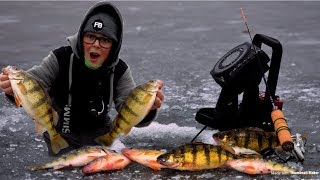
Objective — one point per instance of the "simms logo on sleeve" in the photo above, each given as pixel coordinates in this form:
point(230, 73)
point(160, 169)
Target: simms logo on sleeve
point(97, 25)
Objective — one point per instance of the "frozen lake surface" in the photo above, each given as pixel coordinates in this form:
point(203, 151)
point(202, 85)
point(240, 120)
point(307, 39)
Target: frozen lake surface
point(179, 43)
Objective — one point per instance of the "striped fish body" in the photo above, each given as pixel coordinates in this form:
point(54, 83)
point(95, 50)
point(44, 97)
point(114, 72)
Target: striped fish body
point(146, 157)
point(75, 158)
point(258, 166)
point(112, 161)
point(194, 157)
point(134, 109)
point(35, 101)
point(249, 138)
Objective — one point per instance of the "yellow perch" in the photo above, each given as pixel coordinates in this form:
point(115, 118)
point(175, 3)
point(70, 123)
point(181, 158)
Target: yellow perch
point(29, 94)
point(249, 138)
point(195, 157)
point(134, 109)
point(258, 166)
point(112, 161)
point(75, 158)
point(145, 157)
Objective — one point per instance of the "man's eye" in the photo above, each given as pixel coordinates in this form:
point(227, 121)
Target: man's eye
point(106, 40)
point(91, 36)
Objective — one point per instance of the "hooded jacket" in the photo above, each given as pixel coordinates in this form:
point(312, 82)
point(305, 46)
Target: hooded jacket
point(74, 88)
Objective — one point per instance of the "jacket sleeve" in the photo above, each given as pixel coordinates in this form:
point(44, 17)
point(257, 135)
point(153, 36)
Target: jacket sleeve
point(124, 87)
point(47, 72)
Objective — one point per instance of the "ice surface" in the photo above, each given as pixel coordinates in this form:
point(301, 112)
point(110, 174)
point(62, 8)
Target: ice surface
point(301, 92)
point(11, 115)
point(8, 19)
point(306, 42)
point(157, 132)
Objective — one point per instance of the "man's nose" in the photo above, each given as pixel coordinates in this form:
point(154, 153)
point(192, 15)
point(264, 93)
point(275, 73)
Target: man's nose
point(96, 43)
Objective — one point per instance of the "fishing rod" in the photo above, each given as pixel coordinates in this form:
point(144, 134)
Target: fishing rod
point(277, 116)
point(259, 61)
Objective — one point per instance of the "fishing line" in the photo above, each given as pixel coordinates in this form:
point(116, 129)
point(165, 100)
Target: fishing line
point(283, 136)
point(259, 62)
point(198, 134)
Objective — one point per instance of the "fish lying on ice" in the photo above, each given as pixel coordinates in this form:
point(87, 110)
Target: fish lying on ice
point(196, 156)
point(249, 138)
point(76, 158)
point(258, 166)
point(199, 156)
point(134, 109)
point(29, 94)
point(146, 157)
point(256, 141)
point(111, 161)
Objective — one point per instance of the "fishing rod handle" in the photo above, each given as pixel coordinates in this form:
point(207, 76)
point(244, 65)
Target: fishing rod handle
point(282, 130)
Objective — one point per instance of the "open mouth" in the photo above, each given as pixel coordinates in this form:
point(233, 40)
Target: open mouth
point(94, 55)
point(15, 78)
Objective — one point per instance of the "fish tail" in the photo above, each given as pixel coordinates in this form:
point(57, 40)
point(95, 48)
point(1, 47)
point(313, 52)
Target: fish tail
point(106, 139)
point(58, 143)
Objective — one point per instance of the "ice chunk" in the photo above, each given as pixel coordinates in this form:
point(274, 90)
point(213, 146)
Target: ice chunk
point(37, 139)
point(171, 131)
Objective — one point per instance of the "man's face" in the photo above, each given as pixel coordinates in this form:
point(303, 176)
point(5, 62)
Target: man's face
point(96, 48)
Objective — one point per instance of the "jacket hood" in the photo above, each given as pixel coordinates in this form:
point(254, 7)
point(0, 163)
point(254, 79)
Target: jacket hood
point(76, 41)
